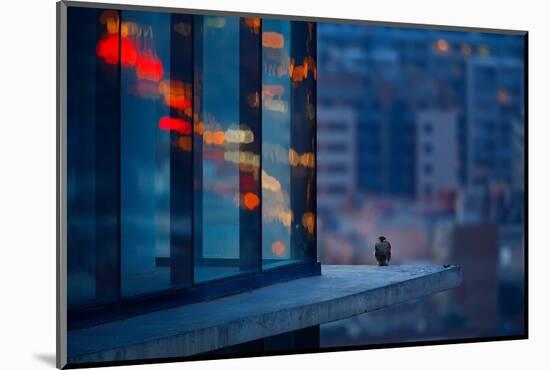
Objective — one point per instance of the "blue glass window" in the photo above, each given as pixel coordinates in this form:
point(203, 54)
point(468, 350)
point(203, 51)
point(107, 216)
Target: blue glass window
point(288, 142)
point(227, 148)
point(190, 151)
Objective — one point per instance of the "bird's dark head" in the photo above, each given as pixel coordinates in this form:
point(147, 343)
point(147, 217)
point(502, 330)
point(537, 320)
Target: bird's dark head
point(382, 238)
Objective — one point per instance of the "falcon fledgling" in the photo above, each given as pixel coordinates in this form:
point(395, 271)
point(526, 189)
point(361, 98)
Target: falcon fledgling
point(382, 251)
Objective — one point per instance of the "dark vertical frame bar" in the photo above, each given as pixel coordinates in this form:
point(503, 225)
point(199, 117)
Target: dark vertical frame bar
point(250, 221)
point(198, 35)
point(108, 172)
point(303, 198)
point(311, 50)
point(181, 158)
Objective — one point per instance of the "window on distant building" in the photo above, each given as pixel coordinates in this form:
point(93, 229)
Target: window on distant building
point(428, 168)
point(428, 148)
point(428, 128)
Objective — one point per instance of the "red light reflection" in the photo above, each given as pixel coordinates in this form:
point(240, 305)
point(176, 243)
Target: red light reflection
point(107, 49)
point(149, 67)
point(175, 124)
point(251, 201)
point(177, 102)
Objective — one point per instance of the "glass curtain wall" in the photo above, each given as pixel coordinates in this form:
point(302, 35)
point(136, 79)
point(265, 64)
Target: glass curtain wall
point(93, 109)
point(155, 153)
point(227, 147)
point(288, 143)
point(190, 150)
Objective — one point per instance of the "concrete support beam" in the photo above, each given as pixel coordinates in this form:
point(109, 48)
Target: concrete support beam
point(340, 292)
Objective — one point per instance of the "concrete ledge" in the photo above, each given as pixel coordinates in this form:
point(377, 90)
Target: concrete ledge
point(340, 292)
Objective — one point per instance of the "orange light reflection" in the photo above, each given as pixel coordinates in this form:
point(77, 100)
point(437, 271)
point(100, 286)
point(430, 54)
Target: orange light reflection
point(308, 220)
point(278, 248)
point(251, 201)
point(273, 40)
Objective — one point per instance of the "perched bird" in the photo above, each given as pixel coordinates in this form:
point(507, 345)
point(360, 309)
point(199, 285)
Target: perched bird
point(382, 251)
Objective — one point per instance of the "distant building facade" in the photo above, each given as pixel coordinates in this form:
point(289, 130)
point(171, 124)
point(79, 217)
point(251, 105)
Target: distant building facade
point(336, 132)
point(387, 75)
point(436, 154)
point(495, 106)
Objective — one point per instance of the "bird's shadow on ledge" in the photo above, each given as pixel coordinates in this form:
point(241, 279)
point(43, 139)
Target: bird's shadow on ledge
point(46, 358)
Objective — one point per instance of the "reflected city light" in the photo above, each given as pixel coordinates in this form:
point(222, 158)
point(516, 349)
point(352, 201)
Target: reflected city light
point(214, 137)
point(129, 29)
point(246, 158)
point(307, 160)
point(293, 157)
point(128, 51)
point(177, 102)
point(110, 19)
point(214, 22)
point(273, 90)
point(253, 23)
point(308, 220)
point(149, 67)
point(199, 128)
point(273, 40)
point(251, 201)
point(231, 136)
point(175, 124)
point(175, 93)
point(277, 212)
point(299, 72)
point(270, 182)
point(442, 45)
point(278, 248)
point(310, 65)
point(239, 136)
point(275, 105)
point(108, 50)
point(185, 143)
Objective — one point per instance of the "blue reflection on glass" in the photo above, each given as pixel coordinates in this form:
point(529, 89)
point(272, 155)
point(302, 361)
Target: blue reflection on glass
point(145, 162)
point(219, 253)
point(276, 92)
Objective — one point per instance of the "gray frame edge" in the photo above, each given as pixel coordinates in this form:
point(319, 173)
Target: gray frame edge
point(61, 186)
point(291, 17)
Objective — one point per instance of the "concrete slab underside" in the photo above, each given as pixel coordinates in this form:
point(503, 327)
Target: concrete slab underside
point(340, 292)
